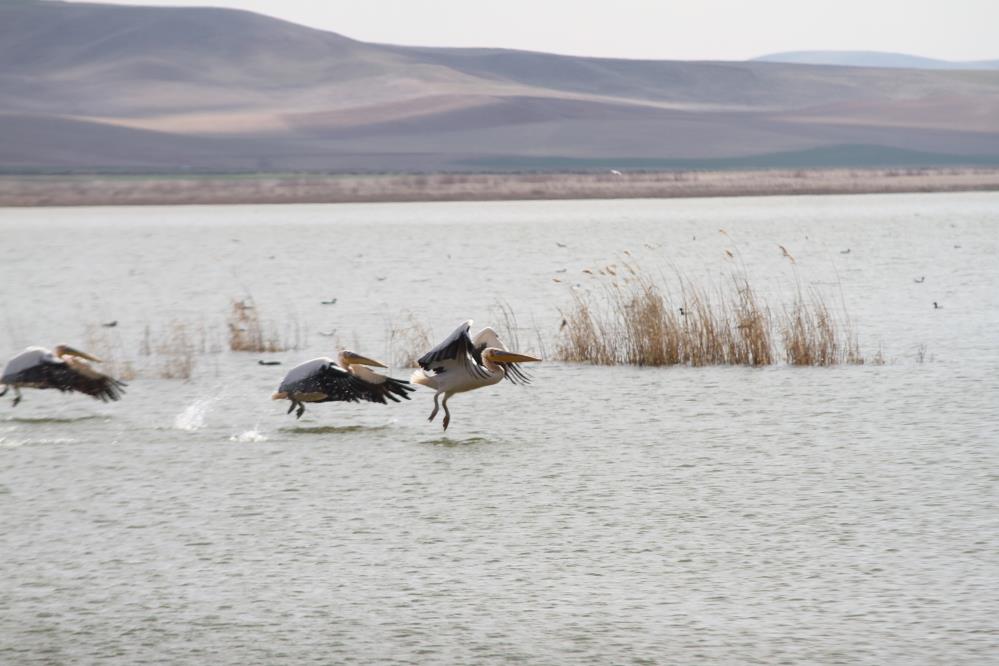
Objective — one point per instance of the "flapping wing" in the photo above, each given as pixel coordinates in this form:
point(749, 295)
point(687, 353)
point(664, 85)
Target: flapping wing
point(456, 351)
point(378, 387)
point(322, 380)
point(51, 372)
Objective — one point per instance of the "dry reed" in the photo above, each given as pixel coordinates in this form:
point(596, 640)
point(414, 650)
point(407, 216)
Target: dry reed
point(639, 324)
point(409, 342)
point(106, 344)
point(175, 350)
point(248, 333)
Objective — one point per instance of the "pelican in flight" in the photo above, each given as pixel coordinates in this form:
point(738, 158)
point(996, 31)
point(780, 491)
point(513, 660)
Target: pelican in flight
point(463, 363)
point(342, 380)
point(63, 368)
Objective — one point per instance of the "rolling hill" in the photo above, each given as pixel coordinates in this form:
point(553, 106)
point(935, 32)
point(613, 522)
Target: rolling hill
point(120, 88)
point(873, 59)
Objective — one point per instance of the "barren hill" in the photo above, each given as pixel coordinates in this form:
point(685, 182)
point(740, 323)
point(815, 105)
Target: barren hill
point(108, 87)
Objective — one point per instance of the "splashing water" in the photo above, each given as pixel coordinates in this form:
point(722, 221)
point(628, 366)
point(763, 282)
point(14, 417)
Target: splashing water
point(253, 435)
point(193, 416)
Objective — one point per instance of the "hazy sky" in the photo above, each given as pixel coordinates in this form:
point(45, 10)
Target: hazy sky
point(662, 29)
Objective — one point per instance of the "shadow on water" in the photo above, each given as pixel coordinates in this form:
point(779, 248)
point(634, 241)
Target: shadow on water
point(447, 441)
point(54, 419)
point(331, 430)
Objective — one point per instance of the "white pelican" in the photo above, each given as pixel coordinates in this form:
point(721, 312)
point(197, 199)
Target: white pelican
point(462, 363)
point(62, 368)
point(342, 380)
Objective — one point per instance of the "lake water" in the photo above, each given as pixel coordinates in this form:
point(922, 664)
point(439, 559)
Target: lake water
point(600, 515)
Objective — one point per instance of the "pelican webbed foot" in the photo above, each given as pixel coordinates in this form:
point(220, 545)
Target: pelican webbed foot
point(301, 410)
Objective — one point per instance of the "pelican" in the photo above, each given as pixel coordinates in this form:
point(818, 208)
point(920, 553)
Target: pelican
point(463, 363)
point(63, 368)
point(342, 380)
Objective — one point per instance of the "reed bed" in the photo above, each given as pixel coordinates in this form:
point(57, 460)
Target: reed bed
point(249, 333)
point(175, 350)
point(636, 322)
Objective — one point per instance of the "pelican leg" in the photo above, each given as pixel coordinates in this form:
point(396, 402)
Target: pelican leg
point(4, 391)
point(447, 412)
point(291, 407)
point(17, 396)
point(436, 407)
point(301, 410)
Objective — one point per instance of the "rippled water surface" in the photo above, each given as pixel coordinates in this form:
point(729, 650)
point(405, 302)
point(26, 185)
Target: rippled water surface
point(600, 515)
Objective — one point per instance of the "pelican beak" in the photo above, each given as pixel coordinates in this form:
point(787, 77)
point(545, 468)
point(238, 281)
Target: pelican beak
point(357, 359)
point(511, 357)
point(69, 351)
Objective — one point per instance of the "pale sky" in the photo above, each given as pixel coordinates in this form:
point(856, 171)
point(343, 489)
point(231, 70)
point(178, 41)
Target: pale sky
point(663, 29)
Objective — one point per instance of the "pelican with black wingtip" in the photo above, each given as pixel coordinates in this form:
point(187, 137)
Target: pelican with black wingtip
point(63, 368)
point(464, 363)
point(344, 379)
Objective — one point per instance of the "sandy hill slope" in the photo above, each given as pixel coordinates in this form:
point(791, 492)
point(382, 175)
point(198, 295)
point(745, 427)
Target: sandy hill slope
point(90, 86)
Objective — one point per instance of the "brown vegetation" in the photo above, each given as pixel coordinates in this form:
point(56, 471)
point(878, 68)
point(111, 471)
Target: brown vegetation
point(637, 323)
point(248, 332)
point(110, 190)
point(408, 342)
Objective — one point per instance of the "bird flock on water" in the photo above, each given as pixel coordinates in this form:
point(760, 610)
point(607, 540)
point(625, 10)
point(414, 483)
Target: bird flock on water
point(461, 363)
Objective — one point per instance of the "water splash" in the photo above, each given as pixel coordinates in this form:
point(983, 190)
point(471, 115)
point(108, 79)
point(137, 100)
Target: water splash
point(253, 435)
point(193, 416)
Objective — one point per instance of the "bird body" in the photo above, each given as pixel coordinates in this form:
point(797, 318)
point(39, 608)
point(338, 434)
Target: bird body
point(344, 379)
point(63, 368)
point(462, 363)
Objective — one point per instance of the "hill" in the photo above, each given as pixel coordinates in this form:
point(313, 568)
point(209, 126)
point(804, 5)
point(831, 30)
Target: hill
point(120, 88)
point(873, 59)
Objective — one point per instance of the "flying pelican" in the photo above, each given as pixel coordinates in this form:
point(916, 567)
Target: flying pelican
point(61, 368)
point(342, 380)
point(463, 363)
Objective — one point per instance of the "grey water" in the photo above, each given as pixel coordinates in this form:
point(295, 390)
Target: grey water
point(599, 515)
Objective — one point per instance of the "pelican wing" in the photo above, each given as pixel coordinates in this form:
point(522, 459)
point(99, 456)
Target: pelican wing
point(457, 351)
point(324, 381)
point(38, 368)
point(379, 387)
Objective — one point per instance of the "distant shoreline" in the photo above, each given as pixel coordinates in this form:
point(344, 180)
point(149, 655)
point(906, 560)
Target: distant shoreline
point(138, 190)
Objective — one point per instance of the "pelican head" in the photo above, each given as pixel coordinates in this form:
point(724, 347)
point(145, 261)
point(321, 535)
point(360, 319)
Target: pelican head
point(66, 350)
point(348, 358)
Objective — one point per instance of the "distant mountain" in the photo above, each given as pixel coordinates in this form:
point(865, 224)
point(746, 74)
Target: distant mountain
point(122, 88)
point(873, 59)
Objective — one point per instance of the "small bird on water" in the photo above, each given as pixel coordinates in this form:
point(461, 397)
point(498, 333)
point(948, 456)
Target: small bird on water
point(937, 306)
point(920, 280)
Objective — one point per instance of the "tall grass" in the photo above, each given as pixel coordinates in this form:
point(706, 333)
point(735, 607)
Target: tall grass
point(249, 333)
point(408, 342)
point(639, 323)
